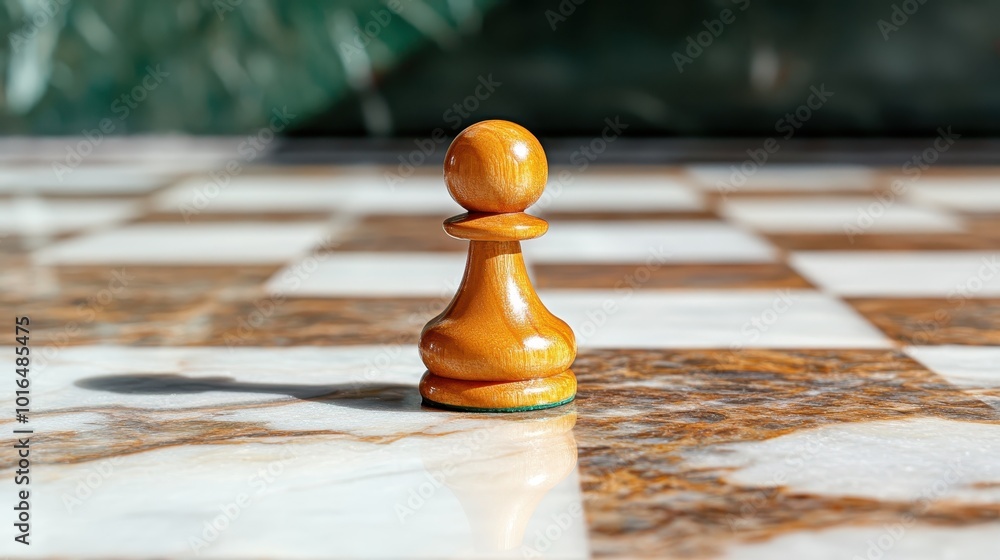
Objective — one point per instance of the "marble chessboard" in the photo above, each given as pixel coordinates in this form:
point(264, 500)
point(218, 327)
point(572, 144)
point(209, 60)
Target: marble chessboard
point(224, 365)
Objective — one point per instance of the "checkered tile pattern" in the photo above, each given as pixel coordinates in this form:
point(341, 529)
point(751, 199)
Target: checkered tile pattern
point(794, 257)
point(802, 297)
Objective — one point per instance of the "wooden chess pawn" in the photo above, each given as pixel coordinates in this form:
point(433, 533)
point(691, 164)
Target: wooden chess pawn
point(496, 348)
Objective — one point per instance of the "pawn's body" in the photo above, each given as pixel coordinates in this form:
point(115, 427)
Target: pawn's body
point(496, 347)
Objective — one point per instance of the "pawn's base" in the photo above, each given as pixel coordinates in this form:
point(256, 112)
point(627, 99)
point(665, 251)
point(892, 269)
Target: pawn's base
point(498, 396)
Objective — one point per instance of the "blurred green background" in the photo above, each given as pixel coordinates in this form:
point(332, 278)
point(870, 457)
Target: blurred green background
point(395, 68)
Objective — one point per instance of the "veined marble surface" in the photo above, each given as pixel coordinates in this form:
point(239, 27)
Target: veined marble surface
point(310, 452)
point(296, 453)
point(751, 384)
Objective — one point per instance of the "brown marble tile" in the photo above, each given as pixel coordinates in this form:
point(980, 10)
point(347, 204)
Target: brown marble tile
point(984, 224)
point(14, 276)
point(934, 321)
point(163, 281)
point(128, 305)
point(884, 242)
point(708, 276)
point(119, 319)
point(641, 411)
point(20, 245)
point(11, 245)
point(320, 322)
point(399, 233)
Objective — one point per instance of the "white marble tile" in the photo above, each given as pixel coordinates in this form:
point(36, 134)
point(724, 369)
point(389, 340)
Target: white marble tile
point(373, 275)
point(964, 366)
point(640, 242)
point(729, 319)
point(783, 177)
point(256, 193)
point(416, 195)
point(627, 193)
point(291, 453)
point(942, 274)
point(126, 151)
point(902, 460)
point(228, 243)
point(966, 195)
point(836, 215)
point(36, 216)
point(307, 497)
point(357, 192)
point(919, 461)
point(84, 180)
point(202, 376)
point(888, 542)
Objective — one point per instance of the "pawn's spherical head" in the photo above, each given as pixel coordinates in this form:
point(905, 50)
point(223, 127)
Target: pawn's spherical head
point(495, 166)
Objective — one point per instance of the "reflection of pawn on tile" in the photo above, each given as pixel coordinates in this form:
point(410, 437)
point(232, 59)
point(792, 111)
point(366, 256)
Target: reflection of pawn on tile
point(501, 474)
point(496, 348)
point(33, 223)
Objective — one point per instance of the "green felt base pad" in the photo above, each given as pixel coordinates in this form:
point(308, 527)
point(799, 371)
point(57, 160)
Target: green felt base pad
point(442, 406)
